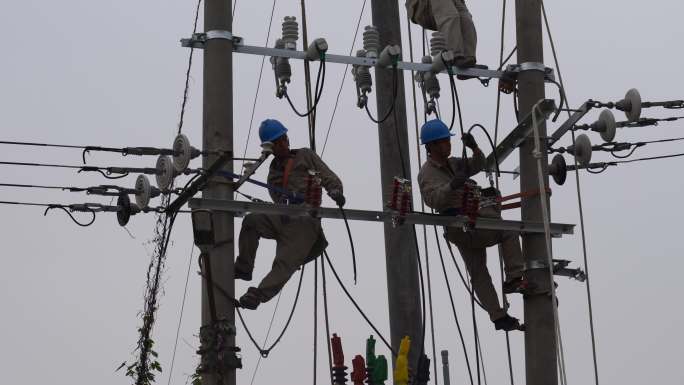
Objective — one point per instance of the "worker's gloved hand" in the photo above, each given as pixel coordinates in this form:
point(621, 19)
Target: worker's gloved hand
point(338, 197)
point(457, 182)
point(469, 141)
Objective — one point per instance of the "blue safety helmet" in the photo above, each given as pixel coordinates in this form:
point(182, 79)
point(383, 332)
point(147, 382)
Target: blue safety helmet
point(434, 130)
point(270, 130)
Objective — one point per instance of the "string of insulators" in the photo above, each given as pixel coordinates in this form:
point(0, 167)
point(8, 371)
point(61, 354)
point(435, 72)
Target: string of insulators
point(471, 200)
point(370, 359)
point(339, 371)
point(379, 375)
point(314, 191)
point(401, 372)
point(358, 374)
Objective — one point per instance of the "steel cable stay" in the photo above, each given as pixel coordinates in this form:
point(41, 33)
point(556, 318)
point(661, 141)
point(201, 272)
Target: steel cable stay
point(504, 298)
point(579, 204)
point(268, 334)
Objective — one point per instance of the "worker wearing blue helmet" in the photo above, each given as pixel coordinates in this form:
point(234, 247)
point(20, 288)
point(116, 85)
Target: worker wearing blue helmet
point(299, 239)
point(442, 181)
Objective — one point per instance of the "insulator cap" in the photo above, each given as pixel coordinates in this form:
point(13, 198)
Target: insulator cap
point(582, 149)
point(143, 191)
point(182, 153)
point(631, 105)
point(606, 125)
point(290, 32)
point(558, 169)
point(165, 172)
point(371, 41)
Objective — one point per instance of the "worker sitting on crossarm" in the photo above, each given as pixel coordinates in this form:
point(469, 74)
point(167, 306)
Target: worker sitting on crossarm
point(299, 239)
point(453, 19)
point(442, 181)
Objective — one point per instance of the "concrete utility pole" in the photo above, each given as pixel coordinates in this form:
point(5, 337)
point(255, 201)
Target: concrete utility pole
point(540, 336)
point(218, 134)
point(400, 250)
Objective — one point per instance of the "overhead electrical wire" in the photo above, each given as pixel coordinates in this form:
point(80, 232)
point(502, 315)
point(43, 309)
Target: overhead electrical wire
point(258, 87)
point(344, 77)
point(268, 333)
point(180, 314)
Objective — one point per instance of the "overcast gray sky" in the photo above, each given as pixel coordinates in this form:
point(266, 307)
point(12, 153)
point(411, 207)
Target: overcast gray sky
point(112, 73)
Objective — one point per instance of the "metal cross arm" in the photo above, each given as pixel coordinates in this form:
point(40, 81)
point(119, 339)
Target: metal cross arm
point(239, 207)
point(570, 123)
point(518, 135)
point(199, 40)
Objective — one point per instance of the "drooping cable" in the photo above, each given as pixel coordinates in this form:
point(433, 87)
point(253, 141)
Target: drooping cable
point(356, 305)
point(320, 81)
point(344, 77)
point(579, 204)
point(453, 307)
point(395, 81)
point(351, 241)
point(258, 87)
point(315, 322)
point(327, 319)
point(427, 263)
point(268, 333)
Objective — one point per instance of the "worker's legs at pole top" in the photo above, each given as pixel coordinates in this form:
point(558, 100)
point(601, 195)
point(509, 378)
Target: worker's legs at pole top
point(254, 227)
point(295, 237)
point(456, 23)
point(472, 247)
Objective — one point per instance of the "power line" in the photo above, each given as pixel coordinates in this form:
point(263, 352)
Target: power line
point(344, 77)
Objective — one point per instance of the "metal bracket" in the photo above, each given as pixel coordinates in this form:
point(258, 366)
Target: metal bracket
point(518, 135)
point(560, 268)
point(515, 69)
point(536, 264)
point(199, 40)
point(557, 229)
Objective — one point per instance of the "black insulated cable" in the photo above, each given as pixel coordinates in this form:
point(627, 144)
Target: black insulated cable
point(395, 82)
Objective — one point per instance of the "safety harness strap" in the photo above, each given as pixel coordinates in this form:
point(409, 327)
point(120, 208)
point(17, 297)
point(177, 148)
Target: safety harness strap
point(288, 170)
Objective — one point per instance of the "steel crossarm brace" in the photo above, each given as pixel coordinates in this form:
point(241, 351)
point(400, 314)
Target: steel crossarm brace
point(515, 138)
point(199, 40)
point(570, 123)
point(241, 207)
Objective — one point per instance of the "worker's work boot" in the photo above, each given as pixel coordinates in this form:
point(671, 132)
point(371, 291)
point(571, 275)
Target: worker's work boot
point(251, 299)
point(517, 285)
point(507, 323)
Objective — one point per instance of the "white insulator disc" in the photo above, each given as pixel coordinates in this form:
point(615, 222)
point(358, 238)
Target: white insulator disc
point(182, 152)
point(165, 172)
point(583, 149)
point(634, 98)
point(143, 191)
point(607, 120)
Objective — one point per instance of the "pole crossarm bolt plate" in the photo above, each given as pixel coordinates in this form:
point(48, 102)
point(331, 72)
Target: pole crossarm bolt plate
point(518, 135)
point(239, 207)
point(199, 40)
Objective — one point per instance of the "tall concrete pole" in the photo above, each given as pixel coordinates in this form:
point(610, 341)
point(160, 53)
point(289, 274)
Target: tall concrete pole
point(218, 134)
point(540, 336)
point(401, 254)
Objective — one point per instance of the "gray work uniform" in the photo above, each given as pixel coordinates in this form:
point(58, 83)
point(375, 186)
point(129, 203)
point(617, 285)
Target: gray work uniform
point(456, 23)
point(437, 193)
point(299, 239)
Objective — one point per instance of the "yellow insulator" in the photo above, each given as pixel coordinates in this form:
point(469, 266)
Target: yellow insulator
point(401, 375)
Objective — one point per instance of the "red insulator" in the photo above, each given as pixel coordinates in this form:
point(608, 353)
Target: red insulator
point(338, 355)
point(405, 206)
point(358, 375)
point(394, 201)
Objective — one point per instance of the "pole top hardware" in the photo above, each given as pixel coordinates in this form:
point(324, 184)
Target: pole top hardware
point(199, 40)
